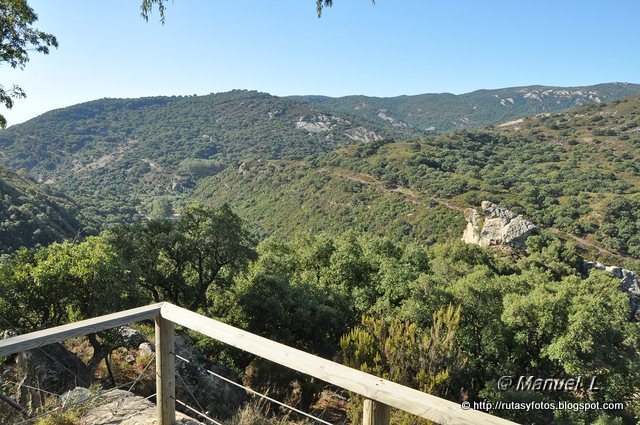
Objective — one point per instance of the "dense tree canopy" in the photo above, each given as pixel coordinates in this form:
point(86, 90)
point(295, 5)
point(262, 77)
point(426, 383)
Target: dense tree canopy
point(449, 319)
point(179, 260)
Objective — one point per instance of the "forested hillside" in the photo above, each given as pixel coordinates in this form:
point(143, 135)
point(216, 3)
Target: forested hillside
point(33, 215)
point(574, 172)
point(439, 113)
point(117, 156)
point(349, 249)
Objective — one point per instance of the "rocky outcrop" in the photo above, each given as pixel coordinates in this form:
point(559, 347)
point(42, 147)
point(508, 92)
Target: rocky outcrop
point(628, 284)
point(320, 123)
point(117, 407)
point(217, 397)
point(362, 134)
point(497, 226)
point(194, 384)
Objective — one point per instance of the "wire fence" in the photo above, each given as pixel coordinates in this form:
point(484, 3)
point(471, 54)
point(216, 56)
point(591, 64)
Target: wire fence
point(65, 405)
point(198, 410)
point(255, 393)
point(202, 415)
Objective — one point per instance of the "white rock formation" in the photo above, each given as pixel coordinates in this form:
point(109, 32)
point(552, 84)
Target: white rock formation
point(497, 226)
point(118, 407)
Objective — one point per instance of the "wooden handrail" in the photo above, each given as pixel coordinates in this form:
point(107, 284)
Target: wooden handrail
point(44, 337)
point(379, 393)
point(381, 390)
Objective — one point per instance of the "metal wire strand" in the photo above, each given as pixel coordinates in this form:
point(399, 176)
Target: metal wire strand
point(186, 406)
point(129, 384)
point(259, 394)
point(31, 388)
point(184, 384)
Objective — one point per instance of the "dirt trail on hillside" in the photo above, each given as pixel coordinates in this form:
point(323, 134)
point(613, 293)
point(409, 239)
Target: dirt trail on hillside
point(408, 193)
point(584, 243)
point(412, 197)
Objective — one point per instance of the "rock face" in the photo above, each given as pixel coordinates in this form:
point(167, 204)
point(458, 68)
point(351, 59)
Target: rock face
point(194, 384)
point(497, 226)
point(118, 407)
point(628, 284)
point(217, 397)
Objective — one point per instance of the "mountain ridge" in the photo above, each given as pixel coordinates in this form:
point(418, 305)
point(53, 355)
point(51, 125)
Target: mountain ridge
point(115, 156)
point(572, 172)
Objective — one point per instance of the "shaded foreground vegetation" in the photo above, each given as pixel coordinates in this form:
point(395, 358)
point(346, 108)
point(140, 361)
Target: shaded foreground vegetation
point(449, 319)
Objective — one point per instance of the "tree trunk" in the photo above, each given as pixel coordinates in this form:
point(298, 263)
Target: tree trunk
point(107, 362)
point(99, 353)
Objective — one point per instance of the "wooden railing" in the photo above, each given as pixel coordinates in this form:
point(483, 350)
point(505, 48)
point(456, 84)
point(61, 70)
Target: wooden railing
point(380, 394)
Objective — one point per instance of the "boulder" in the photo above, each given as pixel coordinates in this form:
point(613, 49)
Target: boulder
point(193, 381)
point(194, 384)
point(117, 407)
point(497, 226)
point(628, 284)
point(130, 337)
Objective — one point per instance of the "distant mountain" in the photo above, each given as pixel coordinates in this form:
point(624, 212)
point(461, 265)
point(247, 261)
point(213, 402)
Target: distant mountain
point(574, 173)
point(33, 215)
point(116, 156)
point(440, 113)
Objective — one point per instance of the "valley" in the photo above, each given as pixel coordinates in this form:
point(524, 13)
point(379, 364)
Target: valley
point(334, 226)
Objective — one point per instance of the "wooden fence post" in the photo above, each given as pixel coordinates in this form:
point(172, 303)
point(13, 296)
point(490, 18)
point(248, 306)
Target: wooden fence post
point(375, 413)
point(165, 372)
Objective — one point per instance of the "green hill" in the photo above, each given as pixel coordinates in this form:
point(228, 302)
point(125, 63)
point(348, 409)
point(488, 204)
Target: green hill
point(440, 113)
point(575, 173)
point(117, 156)
point(283, 197)
point(33, 215)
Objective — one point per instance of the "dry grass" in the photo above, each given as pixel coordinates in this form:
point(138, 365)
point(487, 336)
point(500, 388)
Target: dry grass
point(126, 364)
point(71, 417)
point(259, 412)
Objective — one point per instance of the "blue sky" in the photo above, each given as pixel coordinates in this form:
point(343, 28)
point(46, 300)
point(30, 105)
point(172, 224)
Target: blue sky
point(393, 48)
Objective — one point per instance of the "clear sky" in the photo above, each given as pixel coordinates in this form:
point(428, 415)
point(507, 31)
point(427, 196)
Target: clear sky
point(395, 47)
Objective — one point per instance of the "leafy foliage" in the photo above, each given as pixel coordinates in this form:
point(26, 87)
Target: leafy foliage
point(32, 215)
point(283, 197)
point(115, 156)
point(450, 318)
point(550, 168)
point(179, 260)
point(147, 7)
point(17, 39)
point(404, 353)
point(511, 318)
